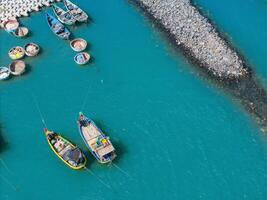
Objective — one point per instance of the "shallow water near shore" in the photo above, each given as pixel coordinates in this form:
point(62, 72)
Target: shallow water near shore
point(177, 136)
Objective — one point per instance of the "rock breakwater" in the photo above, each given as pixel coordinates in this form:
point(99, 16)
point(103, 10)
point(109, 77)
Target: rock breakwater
point(197, 36)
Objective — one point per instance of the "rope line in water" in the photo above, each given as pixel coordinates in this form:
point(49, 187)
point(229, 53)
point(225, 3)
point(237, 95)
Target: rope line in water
point(8, 182)
point(85, 100)
point(38, 109)
point(6, 167)
point(98, 178)
point(121, 170)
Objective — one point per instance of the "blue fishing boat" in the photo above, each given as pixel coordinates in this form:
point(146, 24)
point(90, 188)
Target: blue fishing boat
point(59, 29)
point(64, 16)
point(96, 141)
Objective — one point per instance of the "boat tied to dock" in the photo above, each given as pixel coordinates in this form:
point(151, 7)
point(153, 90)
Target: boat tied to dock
point(65, 150)
point(98, 144)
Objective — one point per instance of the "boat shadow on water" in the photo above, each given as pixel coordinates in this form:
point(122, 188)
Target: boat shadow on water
point(3, 143)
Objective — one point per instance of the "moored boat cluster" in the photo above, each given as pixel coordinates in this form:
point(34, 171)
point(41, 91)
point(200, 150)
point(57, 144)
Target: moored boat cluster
point(196, 36)
point(72, 14)
point(96, 141)
point(18, 67)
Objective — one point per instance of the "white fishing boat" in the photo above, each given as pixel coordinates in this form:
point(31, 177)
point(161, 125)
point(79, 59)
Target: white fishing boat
point(98, 144)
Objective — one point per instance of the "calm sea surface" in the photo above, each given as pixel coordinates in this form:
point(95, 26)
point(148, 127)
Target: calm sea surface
point(177, 136)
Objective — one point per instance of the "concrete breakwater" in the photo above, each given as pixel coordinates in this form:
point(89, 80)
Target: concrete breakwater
point(12, 9)
point(196, 35)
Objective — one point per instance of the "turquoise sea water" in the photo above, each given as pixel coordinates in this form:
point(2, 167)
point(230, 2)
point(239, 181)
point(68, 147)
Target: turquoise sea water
point(177, 136)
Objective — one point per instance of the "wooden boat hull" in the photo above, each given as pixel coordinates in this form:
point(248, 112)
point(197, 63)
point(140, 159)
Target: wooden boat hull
point(57, 28)
point(53, 149)
point(76, 11)
point(64, 16)
point(113, 155)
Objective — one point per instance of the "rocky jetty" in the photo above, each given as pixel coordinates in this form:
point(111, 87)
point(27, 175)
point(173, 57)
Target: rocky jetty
point(197, 36)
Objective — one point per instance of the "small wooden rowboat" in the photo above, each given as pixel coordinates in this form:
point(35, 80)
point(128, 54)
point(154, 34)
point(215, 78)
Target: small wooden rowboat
point(31, 49)
point(78, 44)
point(11, 25)
point(17, 67)
point(59, 29)
point(64, 16)
point(4, 73)
point(98, 144)
point(16, 53)
point(21, 32)
point(82, 58)
point(65, 150)
point(77, 12)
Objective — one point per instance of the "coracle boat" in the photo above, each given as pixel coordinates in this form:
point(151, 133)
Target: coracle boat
point(4, 73)
point(11, 25)
point(21, 32)
point(59, 29)
point(82, 58)
point(16, 53)
point(64, 16)
point(78, 44)
point(65, 150)
point(17, 67)
point(77, 12)
point(31, 49)
point(98, 144)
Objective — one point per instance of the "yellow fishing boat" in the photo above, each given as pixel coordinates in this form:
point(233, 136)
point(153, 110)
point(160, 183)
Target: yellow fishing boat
point(65, 150)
